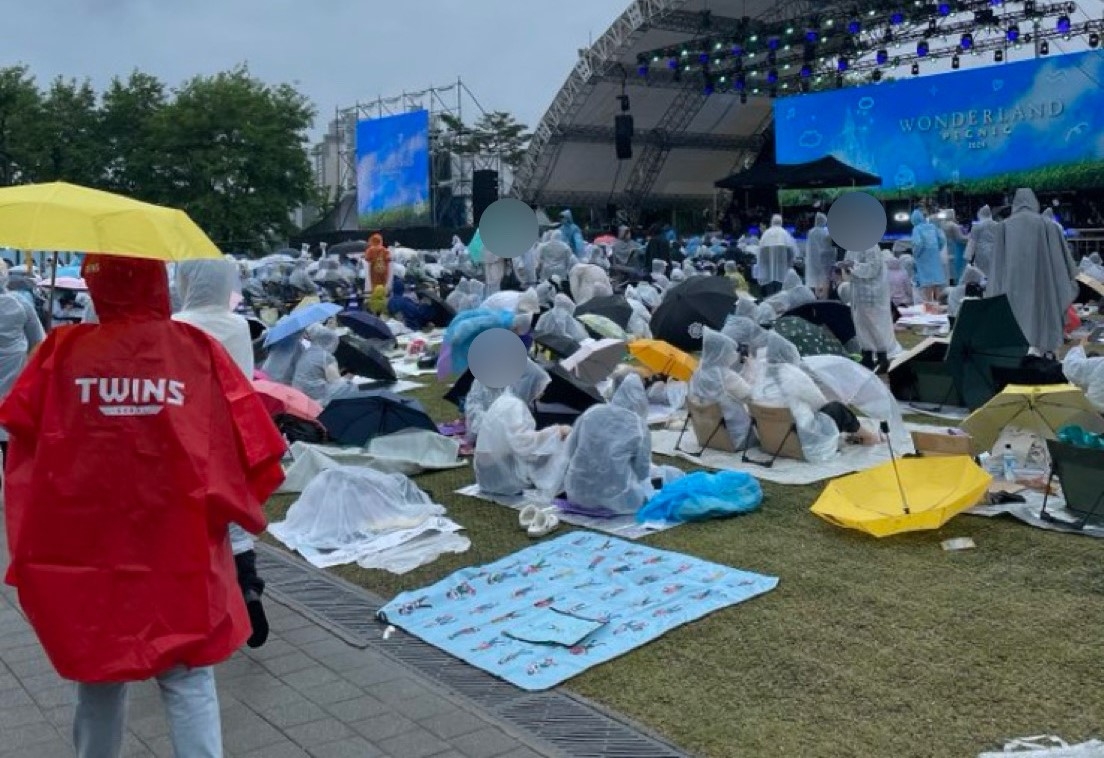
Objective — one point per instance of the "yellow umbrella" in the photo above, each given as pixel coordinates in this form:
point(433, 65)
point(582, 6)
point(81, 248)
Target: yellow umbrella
point(928, 493)
point(1044, 409)
point(60, 216)
point(663, 358)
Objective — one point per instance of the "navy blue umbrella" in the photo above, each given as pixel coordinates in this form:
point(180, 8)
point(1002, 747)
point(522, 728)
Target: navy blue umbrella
point(366, 326)
point(356, 420)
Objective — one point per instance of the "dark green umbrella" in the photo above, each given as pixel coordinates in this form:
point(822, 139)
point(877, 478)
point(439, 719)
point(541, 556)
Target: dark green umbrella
point(809, 339)
point(985, 336)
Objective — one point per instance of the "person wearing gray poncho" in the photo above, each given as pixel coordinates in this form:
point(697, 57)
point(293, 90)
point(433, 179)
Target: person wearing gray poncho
point(1033, 267)
point(871, 308)
point(820, 257)
point(983, 236)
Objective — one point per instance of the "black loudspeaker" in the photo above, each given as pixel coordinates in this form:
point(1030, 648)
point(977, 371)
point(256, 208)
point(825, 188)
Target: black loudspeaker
point(623, 136)
point(484, 192)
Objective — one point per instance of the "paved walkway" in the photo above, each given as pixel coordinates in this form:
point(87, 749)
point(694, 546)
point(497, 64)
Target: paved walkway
point(305, 693)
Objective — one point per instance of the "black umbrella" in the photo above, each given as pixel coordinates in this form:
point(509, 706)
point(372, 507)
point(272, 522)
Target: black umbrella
point(568, 390)
point(443, 314)
point(357, 420)
point(698, 302)
point(985, 337)
point(357, 356)
point(353, 246)
point(836, 317)
point(458, 391)
point(366, 326)
point(558, 345)
point(613, 307)
point(257, 328)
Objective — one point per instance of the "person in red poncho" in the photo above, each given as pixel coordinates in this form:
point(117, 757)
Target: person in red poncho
point(134, 444)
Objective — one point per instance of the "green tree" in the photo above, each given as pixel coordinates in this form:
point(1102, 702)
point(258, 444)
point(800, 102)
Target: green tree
point(20, 107)
point(234, 156)
point(128, 115)
point(66, 144)
point(496, 133)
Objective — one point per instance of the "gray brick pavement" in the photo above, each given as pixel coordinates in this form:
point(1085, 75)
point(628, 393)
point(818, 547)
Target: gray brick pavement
point(305, 693)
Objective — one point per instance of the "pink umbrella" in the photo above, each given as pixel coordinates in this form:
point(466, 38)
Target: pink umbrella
point(606, 240)
point(67, 283)
point(279, 398)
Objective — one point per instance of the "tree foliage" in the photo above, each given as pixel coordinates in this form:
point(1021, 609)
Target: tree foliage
point(228, 148)
point(496, 133)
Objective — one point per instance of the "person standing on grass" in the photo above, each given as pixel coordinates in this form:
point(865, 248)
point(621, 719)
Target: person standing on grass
point(121, 558)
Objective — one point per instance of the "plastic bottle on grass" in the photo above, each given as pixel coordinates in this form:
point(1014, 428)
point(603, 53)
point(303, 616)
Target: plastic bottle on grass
point(1008, 462)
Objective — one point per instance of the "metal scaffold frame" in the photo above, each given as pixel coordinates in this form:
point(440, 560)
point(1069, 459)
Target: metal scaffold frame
point(450, 172)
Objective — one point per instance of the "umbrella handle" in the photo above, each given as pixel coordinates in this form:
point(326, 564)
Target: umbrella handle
point(893, 457)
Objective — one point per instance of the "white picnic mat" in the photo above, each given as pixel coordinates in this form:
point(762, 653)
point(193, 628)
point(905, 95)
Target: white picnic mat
point(785, 470)
point(403, 385)
point(927, 409)
point(409, 369)
point(1028, 512)
point(625, 527)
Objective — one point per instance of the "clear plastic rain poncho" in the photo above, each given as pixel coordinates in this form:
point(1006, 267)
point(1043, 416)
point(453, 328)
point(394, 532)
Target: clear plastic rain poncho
point(777, 252)
point(661, 283)
point(927, 251)
point(479, 400)
point(561, 321)
point(716, 382)
point(844, 381)
point(300, 278)
point(640, 321)
point(546, 292)
point(511, 455)
point(745, 332)
point(783, 384)
point(379, 520)
point(516, 302)
point(648, 295)
point(1091, 267)
point(900, 283)
point(20, 330)
point(456, 298)
point(820, 254)
point(316, 373)
point(678, 276)
point(983, 238)
point(588, 282)
point(956, 295)
point(1033, 267)
point(555, 257)
point(870, 302)
point(610, 453)
point(205, 287)
point(659, 268)
point(1087, 373)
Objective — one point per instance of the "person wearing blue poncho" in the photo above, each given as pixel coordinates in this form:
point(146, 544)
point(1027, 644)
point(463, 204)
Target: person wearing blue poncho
point(413, 314)
point(927, 252)
point(468, 325)
point(572, 234)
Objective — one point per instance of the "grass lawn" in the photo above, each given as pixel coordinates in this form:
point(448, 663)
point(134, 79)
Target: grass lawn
point(867, 648)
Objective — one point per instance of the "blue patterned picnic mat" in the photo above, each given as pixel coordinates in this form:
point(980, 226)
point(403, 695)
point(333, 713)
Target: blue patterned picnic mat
point(631, 593)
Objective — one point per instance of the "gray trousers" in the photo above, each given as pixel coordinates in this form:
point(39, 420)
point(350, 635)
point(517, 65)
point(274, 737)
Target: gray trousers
point(191, 706)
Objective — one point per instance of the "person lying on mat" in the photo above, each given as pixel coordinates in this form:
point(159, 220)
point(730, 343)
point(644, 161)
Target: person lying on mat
point(511, 455)
point(610, 452)
point(716, 382)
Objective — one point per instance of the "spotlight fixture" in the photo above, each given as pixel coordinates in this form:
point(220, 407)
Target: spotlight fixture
point(944, 9)
point(673, 64)
point(1013, 33)
point(882, 57)
point(1044, 48)
point(854, 27)
point(812, 36)
point(916, 69)
point(806, 72)
point(1063, 26)
point(743, 98)
point(877, 75)
point(703, 58)
point(741, 83)
point(922, 49)
point(774, 43)
point(998, 56)
point(772, 76)
point(967, 41)
point(1094, 40)
point(839, 82)
point(897, 19)
point(956, 63)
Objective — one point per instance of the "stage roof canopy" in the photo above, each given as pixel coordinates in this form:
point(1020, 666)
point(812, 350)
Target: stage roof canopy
point(684, 140)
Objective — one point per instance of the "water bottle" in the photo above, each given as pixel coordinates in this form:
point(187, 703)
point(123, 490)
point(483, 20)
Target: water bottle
point(1008, 461)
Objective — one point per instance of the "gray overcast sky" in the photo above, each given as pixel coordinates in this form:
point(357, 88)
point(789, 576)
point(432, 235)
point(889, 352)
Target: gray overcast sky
point(512, 54)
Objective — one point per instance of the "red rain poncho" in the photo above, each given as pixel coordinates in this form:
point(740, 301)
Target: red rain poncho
point(134, 443)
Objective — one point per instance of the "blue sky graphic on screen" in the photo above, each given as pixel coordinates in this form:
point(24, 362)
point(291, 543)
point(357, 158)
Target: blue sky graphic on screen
point(393, 170)
point(1038, 123)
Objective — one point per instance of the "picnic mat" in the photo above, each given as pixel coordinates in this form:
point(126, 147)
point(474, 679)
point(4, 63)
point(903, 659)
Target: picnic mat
point(625, 527)
point(551, 611)
point(1028, 513)
point(785, 470)
point(927, 409)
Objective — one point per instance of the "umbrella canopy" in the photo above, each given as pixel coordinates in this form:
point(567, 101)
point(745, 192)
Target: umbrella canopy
point(700, 301)
point(823, 172)
point(601, 327)
point(443, 313)
point(605, 239)
point(280, 398)
point(1043, 409)
point(367, 326)
point(345, 248)
point(460, 389)
point(595, 361)
point(661, 358)
point(613, 307)
point(936, 490)
point(360, 358)
point(834, 316)
point(60, 216)
point(300, 319)
point(558, 345)
point(357, 420)
point(809, 339)
point(257, 328)
point(985, 336)
point(66, 283)
point(568, 390)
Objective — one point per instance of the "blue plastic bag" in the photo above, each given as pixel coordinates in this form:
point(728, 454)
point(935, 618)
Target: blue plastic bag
point(700, 496)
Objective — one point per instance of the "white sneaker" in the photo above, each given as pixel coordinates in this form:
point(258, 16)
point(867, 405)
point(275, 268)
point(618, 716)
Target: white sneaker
point(545, 523)
point(528, 515)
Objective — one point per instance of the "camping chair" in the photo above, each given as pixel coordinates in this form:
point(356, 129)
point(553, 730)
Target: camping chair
point(777, 432)
point(709, 428)
point(1081, 473)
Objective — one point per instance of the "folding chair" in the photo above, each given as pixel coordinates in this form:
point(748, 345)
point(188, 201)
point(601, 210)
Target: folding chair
point(1081, 473)
point(777, 432)
point(709, 428)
